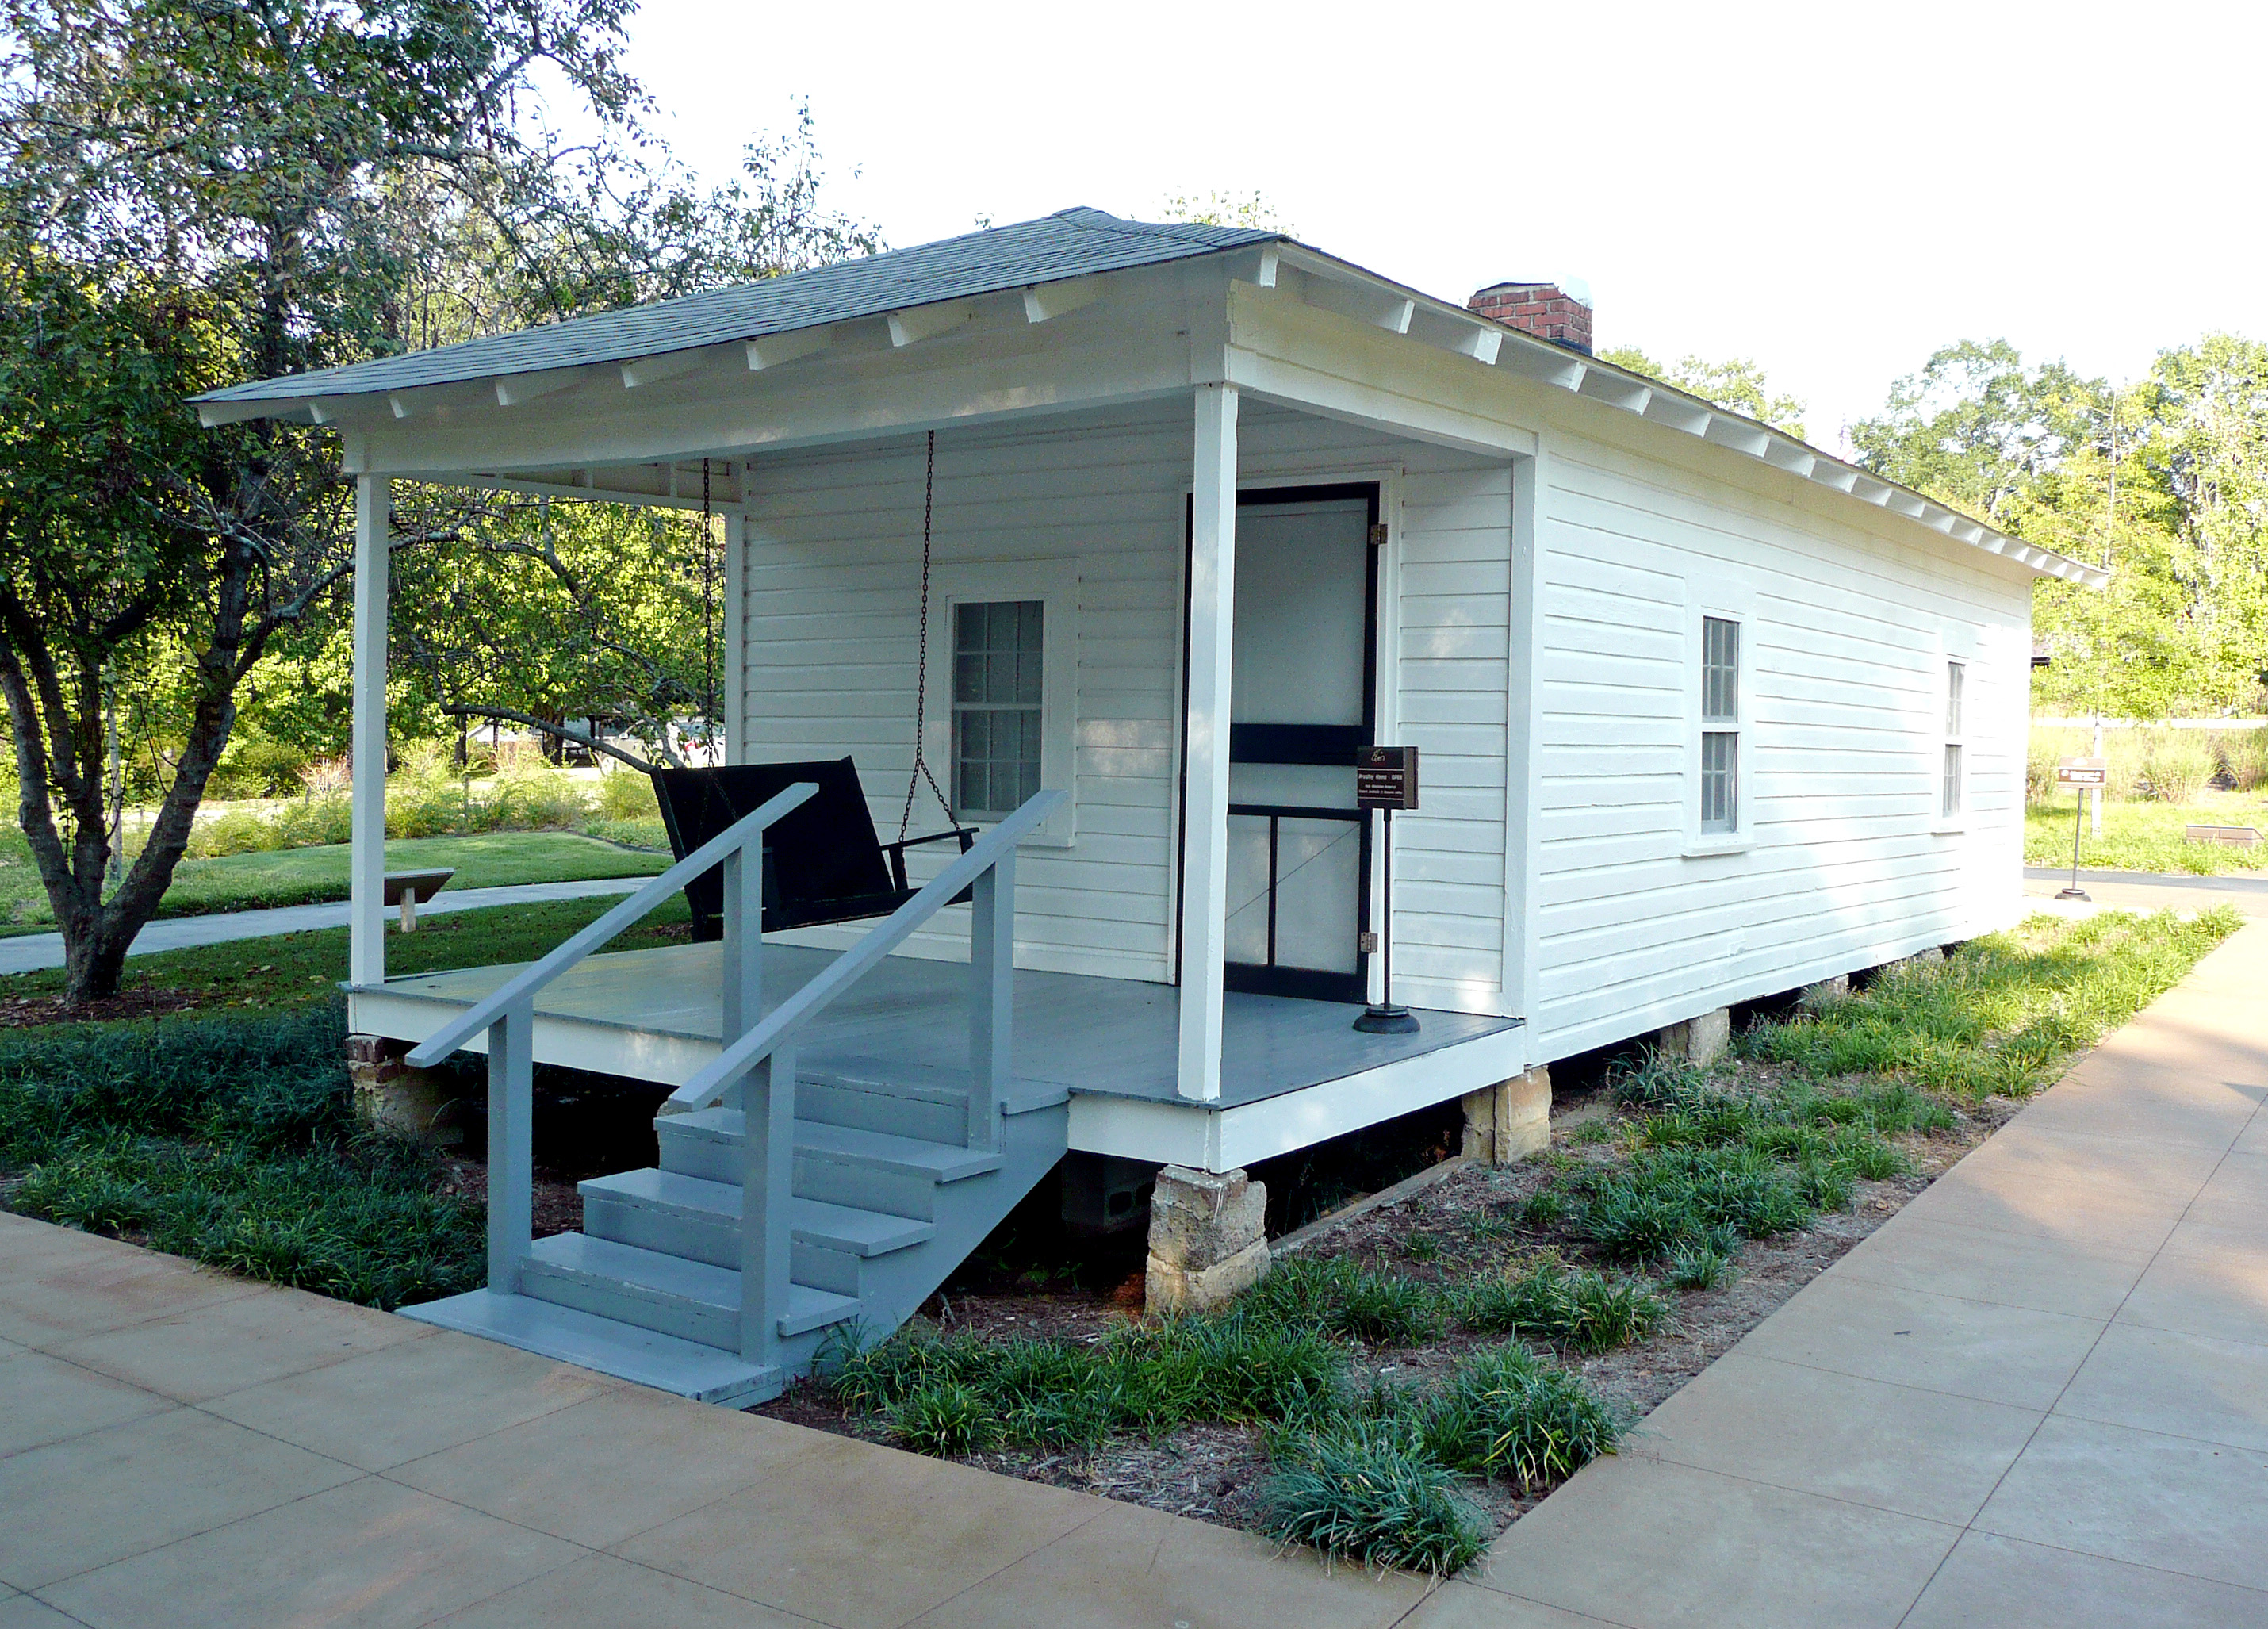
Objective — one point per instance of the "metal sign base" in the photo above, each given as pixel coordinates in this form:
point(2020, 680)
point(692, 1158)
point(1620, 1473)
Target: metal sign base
point(1387, 1021)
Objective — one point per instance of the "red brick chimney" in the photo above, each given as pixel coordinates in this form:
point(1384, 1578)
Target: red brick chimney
point(1543, 309)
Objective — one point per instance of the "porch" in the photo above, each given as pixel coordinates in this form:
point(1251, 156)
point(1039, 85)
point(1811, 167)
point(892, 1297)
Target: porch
point(1292, 1071)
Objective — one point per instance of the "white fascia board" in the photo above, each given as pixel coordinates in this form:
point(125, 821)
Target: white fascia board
point(1542, 361)
point(519, 389)
point(668, 364)
point(1738, 434)
point(1615, 391)
point(212, 414)
point(1380, 309)
point(1679, 413)
point(1043, 302)
point(773, 350)
point(1796, 460)
point(857, 394)
point(917, 323)
point(1352, 401)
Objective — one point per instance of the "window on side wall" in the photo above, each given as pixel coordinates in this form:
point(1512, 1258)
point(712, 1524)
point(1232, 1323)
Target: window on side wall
point(1951, 791)
point(1720, 726)
point(998, 701)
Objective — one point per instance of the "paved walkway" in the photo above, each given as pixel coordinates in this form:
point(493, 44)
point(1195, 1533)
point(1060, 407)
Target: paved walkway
point(2150, 890)
point(186, 1449)
point(35, 951)
point(2037, 1397)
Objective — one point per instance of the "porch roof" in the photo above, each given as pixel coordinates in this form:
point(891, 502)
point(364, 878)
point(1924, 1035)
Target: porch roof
point(1070, 243)
point(682, 393)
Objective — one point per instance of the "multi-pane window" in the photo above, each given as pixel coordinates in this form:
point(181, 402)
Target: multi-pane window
point(1720, 724)
point(996, 650)
point(1949, 794)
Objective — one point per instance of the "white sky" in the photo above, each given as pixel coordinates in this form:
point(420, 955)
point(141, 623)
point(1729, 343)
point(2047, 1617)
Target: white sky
point(1830, 194)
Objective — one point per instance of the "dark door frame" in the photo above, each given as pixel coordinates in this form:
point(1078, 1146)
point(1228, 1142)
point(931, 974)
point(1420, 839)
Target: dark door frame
point(1330, 744)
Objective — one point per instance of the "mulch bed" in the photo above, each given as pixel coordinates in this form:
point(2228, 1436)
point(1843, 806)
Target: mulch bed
point(27, 1011)
point(1212, 1472)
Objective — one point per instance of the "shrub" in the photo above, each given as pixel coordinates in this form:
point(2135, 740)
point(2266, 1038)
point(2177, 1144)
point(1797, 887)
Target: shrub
point(2243, 756)
point(1576, 1307)
point(945, 1418)
point(1367, 1492)
point(232, 831)
point(1340, 1296)
point(625, 795)
point(255, 768)
point(1506, 1413)
point(2175, 764)
point(233, 1142)
point(1696, 1267)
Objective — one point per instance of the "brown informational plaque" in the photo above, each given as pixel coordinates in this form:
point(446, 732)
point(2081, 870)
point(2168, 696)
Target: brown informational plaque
point(1386, 778)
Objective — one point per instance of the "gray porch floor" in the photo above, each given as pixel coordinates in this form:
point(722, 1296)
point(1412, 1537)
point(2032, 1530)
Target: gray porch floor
point(1114, 1036)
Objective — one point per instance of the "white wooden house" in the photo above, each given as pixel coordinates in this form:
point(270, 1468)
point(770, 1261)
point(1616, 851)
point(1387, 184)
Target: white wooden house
point(1705, 714)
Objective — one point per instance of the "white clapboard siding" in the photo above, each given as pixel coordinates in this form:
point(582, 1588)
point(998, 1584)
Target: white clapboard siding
point(832, 603)
point(832, 606)
point(1848, 633)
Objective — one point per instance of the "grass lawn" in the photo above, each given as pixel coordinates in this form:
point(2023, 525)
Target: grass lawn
point(2147, 836)
point(311, 875)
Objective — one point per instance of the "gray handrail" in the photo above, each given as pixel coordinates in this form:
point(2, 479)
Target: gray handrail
point(741, 835)
point(846, 970)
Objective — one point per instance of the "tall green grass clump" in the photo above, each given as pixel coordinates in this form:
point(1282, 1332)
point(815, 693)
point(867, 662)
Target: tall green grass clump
point(2001, 1015)
point(1508, 1413)
point(1369, 1493)
point(1340, 1296)
point(1575, 1306)
point(233, 1142)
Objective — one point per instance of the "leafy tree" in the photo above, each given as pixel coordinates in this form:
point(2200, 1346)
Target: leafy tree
point(1738, 386)
point(2164, 482)
point(1980, 429)
point(194, 191)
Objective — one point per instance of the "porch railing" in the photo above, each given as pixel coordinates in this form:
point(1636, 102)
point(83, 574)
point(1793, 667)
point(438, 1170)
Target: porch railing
point(760, 1066)
point(757, 1064)
point(509, 1016)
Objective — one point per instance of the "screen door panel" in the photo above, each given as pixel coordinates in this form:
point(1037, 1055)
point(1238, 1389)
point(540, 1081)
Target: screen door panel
point(1300, 704)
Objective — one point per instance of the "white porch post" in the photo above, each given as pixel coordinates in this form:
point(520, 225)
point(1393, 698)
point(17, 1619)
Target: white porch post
point(1204, 850)
point(367, 934)
point(737, 529)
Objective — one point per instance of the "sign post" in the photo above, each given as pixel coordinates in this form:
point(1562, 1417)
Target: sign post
point(2079, 774)
point(1385, 779)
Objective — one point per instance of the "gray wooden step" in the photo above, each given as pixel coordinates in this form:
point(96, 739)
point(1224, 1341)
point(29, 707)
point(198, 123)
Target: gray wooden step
point(691, 1300)
point(644, 1357)
point(706, 1143)
point(698, 1201)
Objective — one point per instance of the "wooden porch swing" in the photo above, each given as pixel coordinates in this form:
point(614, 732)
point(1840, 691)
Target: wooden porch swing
point(823, 861)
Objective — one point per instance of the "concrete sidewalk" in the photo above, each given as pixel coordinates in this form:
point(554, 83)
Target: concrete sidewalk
point(36, 951)
point(2148, 890)
point(2039, 1396)
point(181, 1447)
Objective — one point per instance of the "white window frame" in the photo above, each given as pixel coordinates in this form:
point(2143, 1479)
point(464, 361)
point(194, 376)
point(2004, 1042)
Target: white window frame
point(1055, 585)
point(1732, 602)
point(1952, 734)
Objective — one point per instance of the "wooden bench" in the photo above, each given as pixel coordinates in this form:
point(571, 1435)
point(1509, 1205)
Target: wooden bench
point(2235, 836)
point(412, 889)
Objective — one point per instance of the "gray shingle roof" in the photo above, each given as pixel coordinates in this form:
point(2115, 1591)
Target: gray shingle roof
point(1071, 243)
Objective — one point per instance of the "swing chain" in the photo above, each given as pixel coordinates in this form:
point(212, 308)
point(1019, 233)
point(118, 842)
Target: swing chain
point(921, 770)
